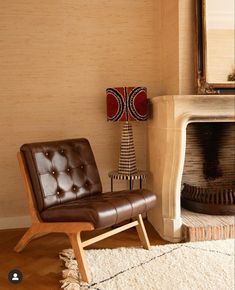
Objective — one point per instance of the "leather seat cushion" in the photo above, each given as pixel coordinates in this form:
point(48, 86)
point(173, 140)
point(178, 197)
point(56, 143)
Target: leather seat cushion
point(102, 210)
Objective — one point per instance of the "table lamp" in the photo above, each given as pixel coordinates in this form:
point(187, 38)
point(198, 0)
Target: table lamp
point(127, 104)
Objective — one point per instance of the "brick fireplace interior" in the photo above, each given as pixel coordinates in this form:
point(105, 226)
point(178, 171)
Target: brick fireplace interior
point(208, 179)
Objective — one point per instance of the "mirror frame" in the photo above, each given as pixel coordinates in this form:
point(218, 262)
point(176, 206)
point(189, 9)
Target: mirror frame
point(202, 85)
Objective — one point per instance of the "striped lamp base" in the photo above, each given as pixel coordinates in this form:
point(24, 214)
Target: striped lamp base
point(127, 159)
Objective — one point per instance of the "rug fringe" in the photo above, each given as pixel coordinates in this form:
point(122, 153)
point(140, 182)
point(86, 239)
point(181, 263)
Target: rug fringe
point(71, 275)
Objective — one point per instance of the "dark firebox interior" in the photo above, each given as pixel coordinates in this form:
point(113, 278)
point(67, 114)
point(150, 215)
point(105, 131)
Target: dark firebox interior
point(209, 179)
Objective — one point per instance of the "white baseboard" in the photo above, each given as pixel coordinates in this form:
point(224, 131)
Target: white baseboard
point(15, 222)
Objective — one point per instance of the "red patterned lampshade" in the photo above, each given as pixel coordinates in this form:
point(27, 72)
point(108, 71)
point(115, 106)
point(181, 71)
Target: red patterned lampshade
point(127, 104)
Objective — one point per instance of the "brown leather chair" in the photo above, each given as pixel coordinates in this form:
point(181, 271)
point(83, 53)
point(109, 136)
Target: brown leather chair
point(65, 195)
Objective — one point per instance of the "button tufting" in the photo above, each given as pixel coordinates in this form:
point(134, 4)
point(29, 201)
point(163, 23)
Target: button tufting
point(74, 188)
point(64, 175)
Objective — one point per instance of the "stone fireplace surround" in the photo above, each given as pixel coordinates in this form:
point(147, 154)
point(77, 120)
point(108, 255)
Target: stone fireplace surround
point(167, 143)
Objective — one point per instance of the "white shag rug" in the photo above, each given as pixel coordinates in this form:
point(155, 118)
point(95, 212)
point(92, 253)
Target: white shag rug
point(199, 265)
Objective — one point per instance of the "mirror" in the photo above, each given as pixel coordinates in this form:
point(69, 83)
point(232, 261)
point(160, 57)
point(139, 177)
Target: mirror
point(215, 46)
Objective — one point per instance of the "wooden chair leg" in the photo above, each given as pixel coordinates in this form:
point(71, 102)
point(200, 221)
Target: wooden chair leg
point(27, 237)
point(75, 240)
point(142, 233)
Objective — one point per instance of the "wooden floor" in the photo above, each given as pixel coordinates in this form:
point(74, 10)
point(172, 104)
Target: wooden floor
point(39, 262)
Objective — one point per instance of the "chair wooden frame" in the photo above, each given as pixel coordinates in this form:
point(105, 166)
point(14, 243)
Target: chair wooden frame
point(72, 229)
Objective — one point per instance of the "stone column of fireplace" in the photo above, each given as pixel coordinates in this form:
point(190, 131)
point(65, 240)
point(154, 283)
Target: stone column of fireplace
point(167, 140)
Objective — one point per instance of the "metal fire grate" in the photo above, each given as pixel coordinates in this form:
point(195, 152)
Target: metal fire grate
point(219, 201)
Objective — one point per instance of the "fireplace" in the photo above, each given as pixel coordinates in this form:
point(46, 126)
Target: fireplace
point(167, 146)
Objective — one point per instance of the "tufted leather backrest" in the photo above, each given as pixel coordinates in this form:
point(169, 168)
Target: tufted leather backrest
point(61, 171)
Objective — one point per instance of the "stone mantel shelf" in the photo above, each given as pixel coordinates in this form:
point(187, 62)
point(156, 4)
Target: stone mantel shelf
point(167, 143)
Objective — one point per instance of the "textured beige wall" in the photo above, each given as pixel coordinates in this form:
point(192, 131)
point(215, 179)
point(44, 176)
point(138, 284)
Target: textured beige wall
point(57, 58)
point(187, 45)
point(177, 37)
point(170, 46)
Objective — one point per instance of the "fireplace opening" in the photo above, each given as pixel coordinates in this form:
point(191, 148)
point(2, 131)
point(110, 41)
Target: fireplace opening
point(208, 181)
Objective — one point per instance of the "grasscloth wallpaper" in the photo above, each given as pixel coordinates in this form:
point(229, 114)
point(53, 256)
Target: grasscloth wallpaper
point(57, 57)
